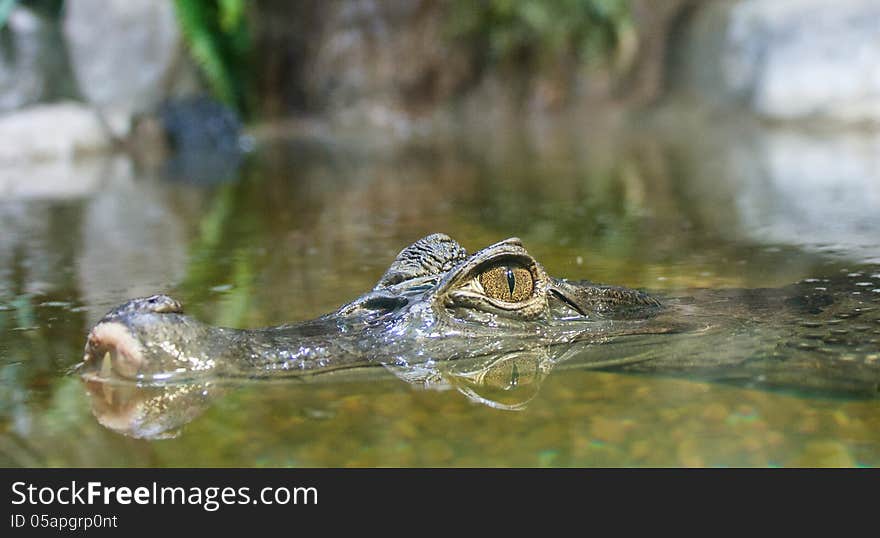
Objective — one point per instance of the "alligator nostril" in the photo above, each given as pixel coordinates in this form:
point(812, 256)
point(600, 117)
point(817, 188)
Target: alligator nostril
point(569, 302)
point(163, 304)
point(384, 302)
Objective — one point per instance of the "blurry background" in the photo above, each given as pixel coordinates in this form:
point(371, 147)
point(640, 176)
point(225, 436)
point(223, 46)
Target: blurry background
point(265, 161)
point(774, 104)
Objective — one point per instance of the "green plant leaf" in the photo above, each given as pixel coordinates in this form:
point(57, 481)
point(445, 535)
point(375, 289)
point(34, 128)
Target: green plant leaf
point(217, 36)
point(231, 14)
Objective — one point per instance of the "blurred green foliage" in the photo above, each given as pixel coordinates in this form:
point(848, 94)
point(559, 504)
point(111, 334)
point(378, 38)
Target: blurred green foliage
point(217, 34)
point(540, 32)
point(529, 34)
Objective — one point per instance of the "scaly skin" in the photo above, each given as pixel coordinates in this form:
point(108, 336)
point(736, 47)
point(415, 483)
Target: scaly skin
point(434, 305)
point(429, 306)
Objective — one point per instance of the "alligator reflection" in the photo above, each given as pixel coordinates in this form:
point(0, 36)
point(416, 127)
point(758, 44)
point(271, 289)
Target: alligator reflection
point(159, 410)
point(148, 412)
point(819, 336)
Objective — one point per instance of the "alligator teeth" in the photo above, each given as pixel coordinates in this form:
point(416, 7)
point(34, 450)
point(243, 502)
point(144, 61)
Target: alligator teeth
point(106, 366)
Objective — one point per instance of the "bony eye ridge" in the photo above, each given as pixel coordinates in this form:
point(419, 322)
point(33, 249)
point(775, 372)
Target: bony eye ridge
point(507, 283)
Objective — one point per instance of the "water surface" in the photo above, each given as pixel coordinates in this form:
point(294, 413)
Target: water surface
point(307, 223)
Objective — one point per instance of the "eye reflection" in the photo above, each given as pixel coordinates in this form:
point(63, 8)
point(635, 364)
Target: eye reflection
point(507, 283)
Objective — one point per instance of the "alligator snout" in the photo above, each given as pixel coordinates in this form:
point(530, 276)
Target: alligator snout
point(113, 347)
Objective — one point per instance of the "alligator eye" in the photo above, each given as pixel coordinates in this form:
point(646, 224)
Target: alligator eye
point(507, 283)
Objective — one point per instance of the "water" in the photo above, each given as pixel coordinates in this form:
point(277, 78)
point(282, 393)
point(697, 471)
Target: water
point(308, 223)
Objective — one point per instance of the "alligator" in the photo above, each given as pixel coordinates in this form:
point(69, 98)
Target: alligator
point(437, 305)
point(435, 302)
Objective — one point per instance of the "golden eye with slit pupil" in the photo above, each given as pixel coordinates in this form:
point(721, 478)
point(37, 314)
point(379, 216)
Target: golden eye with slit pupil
point(511, 284)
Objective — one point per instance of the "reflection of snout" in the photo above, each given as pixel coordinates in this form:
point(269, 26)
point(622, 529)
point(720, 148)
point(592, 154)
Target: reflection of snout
point(147, 412)
point(115, 406)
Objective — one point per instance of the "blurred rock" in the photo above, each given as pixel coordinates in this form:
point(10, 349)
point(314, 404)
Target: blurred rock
point(193, 139)
point(127, 55)
point(787, 59)
point(374, 49)
point(52, 131)
point(200, 124)
point(31, 68)
point(656, 23)
point(379, 63)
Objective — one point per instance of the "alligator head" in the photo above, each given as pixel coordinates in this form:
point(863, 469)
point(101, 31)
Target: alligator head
point(434, 303)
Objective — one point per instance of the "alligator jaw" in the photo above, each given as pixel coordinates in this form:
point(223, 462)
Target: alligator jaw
point(111, 349)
